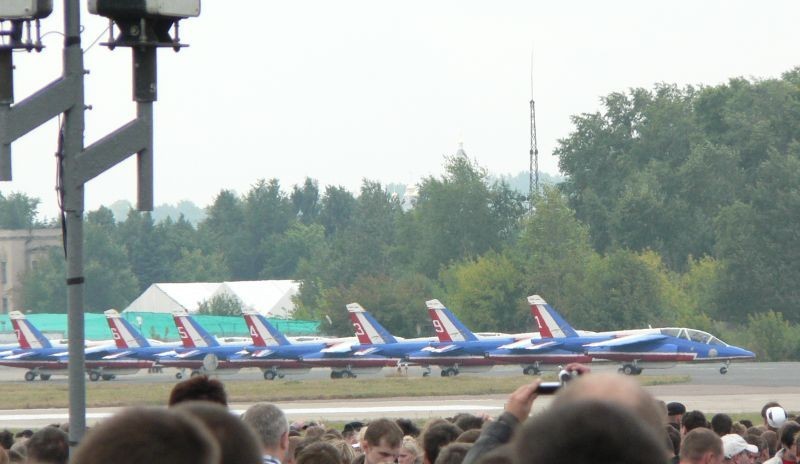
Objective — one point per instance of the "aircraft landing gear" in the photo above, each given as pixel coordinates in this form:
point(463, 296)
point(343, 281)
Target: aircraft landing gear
point(270, 374)
point(179, 374)
point(531, 370)
point(630, 369)
point(94, 376)
point(427, 371)
point(195, 373)
point(44, 376)
point(108, 377)
point(724, 369)
point(449, 372)
point(30, 376)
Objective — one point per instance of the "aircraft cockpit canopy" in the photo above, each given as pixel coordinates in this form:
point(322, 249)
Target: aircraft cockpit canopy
point(694, 335)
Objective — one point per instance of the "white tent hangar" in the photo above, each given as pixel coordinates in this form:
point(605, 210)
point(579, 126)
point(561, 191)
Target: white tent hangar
point(273, 298)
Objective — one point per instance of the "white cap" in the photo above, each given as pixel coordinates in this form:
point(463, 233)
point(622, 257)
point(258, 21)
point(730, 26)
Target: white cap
point(733, 444)
point(776, 416)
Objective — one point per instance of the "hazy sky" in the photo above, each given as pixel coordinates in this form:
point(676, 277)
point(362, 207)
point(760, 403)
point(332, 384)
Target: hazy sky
point(346, 90)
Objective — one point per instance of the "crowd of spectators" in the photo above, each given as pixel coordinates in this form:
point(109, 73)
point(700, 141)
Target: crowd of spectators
point(596, 418)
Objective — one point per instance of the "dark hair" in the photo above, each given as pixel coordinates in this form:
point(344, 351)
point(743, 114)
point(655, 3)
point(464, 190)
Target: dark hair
point(694, 419)
point(148, 435)
point(469, 436)
point(673, 439)
point(6, 439)
point(237, 442)
point(199, 388)
point(453, 453)
point(466, 421)
point(746, 422)
point(767, 406)
point(588, 432)
point(408, 427)
point(721, 424)
point(50, 445)
point(787, 432)
point(437, 437)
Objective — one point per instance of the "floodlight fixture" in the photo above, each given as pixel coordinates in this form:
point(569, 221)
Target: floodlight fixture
point(145, 23)
point(25, 9)
point(16, 17)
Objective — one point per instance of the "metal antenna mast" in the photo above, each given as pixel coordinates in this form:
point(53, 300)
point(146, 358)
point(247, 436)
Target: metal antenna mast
point(533, 181)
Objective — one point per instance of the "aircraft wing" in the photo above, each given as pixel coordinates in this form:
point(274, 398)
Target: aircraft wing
point(345, 347)
point(21, 355)
point(261, 353)
point(529, 345)
point(628, 340)
point(188, 354)
point(441, 349)
point(367, 351)
point(121, 354)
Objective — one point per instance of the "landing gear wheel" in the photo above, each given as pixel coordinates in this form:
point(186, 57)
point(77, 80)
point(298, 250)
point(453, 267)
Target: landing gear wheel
point(426, 373)
point(269, 375)
point(638, 371)
point(44, 376)
point(336, 375)
point(449, 372)
point(30, 376)
point(195, 374)
point(108, 377)
point(94, 376)
point(531, 370)
point(348, 375)
point(178, 375)
point(628, 369)
point(723, 370)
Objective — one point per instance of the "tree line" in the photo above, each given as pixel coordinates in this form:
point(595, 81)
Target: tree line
point(680, 206)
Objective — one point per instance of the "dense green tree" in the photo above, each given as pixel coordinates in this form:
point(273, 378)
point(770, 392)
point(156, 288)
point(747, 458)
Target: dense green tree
point(305, 200)
point(195, 266)
point(144, 244)
point(18, 211)
point(487, 294)
point(336, 211)
point(222, 233)
point(221, 305)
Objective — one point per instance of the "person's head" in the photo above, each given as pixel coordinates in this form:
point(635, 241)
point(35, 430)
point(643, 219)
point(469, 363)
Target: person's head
point(759, 442)
point(151, 435)
point(721, 424)
point(764, 413)
point(746, 422)
point(436, 438)
point(319, 452)
point(701, 446)
point(271, 427)
point(410, 452)
point(466, 421)
point(350, 431)
point(346, 451)
point(675, 412)
point(382, 441)
point(49, 445)
point(787, 433)
point(737, 451)
point(771, 437)
point(692, 420)
point(294, 443)
point(453, 453)
point(408, 427)
point(588, 431)
point(237, 442)
point(6, 439)
point(617, 389)
point(199, 388)
point(469, 436)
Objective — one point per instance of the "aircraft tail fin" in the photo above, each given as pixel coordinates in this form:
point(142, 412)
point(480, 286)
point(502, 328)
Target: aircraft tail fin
point(262, 331)
point(124, 333)
point(28, 336)
point(548, 320)
point(192, 334)
point(447, 326)
point(368, 330)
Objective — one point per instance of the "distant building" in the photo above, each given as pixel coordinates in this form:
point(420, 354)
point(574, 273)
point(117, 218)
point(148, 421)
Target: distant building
point(20, 251)
point(272, 298)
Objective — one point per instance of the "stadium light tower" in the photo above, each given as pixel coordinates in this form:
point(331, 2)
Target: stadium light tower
point(144, 26)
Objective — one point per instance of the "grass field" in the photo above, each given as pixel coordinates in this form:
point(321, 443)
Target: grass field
point(121, 393)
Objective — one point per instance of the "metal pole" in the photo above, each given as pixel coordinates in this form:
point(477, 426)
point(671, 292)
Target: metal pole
point(73, 203)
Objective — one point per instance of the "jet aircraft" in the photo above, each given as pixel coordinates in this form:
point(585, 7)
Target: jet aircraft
point(37, 354)
point(459, 349)
point(640, 348)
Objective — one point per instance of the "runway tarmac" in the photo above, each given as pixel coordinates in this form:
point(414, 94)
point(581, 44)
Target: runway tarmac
point(745, 388)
